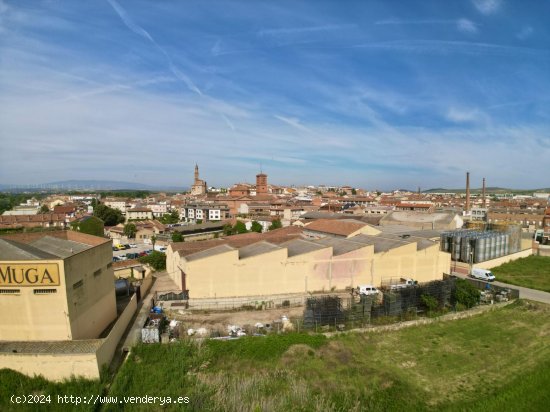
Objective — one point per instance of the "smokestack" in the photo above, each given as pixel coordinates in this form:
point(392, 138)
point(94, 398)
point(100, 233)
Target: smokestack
point(467, 207)
point(483, 194)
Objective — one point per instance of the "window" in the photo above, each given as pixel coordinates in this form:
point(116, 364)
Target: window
point(78, 284)
point(45, 291)
point(10, 291)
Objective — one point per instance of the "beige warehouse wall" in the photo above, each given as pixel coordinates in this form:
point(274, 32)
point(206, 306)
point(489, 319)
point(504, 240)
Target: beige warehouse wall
point(55, 367)
point(224, 275)
point(92, 307)
point(27, 316)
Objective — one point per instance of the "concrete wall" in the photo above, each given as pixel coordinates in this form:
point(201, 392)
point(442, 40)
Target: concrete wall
point(504, 259)
point(107, 350)
point(92, 306)
point(58, 366)
point(28, 316)
point(225, 275)
point(55, 367)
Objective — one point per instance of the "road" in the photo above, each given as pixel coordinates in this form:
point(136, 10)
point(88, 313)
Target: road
point(524, 293)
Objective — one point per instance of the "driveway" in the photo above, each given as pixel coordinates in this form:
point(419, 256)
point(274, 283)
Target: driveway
point(524, 293)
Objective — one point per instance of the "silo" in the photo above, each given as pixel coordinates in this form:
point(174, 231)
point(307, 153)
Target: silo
point(492, 249)
point(506, 244)
point(465, 249)
point(502, 244)
point(457, 240)
point(477, 249)
point(481, 246)
point(497, 245)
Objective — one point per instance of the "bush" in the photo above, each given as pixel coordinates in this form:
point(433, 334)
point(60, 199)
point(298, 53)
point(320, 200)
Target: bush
point(430, 302)
point(157, 260)
point(465, 293)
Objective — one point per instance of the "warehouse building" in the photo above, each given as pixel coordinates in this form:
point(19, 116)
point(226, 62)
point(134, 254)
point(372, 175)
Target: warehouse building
point(55, 286)
point(323, 255)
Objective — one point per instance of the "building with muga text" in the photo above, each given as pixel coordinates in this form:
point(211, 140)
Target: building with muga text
point(55, 286)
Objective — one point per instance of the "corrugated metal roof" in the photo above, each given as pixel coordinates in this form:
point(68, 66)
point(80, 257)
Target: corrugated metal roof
point(210, 252)
point(12, 250)
point(62, 347)
point(299, 247)
point(59, 247)
point(257, 249)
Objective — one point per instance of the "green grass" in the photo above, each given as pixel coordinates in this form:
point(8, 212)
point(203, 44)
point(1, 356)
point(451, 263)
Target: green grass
point(496, 361)
point(14, 383)
point(531, 272)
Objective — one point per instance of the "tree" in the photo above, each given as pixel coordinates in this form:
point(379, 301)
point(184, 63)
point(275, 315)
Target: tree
point(44, 208)
point(276, 224)
point(157, 260)
point(130, 230)
point(239, 227)
point(227, 230)
point(170, 218)
point(90, 225)
point(110, 216)
point(177, 237)
point(256, 227)
point(353, 191)
point(153, 241)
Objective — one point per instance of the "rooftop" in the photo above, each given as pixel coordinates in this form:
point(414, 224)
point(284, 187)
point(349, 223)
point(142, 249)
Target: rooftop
point(256, 249)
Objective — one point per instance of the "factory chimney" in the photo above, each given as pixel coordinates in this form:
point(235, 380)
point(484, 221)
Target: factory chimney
point(467, 207)
point(483, 194)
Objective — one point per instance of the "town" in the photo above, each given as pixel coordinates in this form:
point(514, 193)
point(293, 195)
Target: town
point(294, 252)
point(274, 206)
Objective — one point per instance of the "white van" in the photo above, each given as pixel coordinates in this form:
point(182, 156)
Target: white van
point(482, 274)
point(367, 290)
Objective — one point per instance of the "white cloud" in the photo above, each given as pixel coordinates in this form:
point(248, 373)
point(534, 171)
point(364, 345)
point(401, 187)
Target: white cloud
point(525, 33)
point(487, 6)
point(462, 115)
point(466, 26)
point(292, 121)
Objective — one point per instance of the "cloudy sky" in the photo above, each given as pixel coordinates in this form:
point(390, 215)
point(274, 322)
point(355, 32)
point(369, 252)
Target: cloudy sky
point(375, 94)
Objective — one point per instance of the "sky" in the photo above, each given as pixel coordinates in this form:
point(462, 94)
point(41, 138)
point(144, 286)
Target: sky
point(373, 94)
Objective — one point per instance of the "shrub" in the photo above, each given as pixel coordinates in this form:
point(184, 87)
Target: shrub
point(430, 302)
point(465, 293)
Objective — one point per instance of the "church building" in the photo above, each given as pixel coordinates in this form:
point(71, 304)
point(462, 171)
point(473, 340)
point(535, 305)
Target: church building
point(199, 186)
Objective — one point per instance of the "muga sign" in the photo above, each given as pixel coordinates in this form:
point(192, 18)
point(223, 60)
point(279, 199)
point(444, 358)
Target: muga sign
point(28, 274)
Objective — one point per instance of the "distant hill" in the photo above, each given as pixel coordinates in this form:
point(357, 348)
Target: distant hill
point(90, 185)
point(489, 190)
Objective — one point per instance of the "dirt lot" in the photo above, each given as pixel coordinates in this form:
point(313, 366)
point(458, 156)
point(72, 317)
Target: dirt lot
point(219, 321)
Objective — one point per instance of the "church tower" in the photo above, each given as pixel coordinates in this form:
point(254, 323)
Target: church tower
point(261, 184)
point(199, 186)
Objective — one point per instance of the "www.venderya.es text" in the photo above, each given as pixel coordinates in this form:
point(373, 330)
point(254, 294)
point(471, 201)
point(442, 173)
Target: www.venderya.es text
point(98, 399)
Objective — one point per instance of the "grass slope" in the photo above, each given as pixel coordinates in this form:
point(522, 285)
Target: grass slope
point(496, 361)
point(532, 272)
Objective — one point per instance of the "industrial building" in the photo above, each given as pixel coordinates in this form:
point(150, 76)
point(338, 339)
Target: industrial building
point(55, 286)
point(323, 255)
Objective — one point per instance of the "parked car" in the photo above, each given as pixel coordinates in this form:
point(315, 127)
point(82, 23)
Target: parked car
point(116, 259)
point(132, 245)
point(120, 247)
point(142, 254)
point(115, 249)
point(132, 255)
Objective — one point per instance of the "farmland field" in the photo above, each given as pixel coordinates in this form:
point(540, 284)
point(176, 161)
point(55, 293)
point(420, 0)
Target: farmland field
point(498, 360)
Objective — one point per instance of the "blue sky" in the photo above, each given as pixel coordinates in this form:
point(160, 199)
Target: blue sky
point(373, 94)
